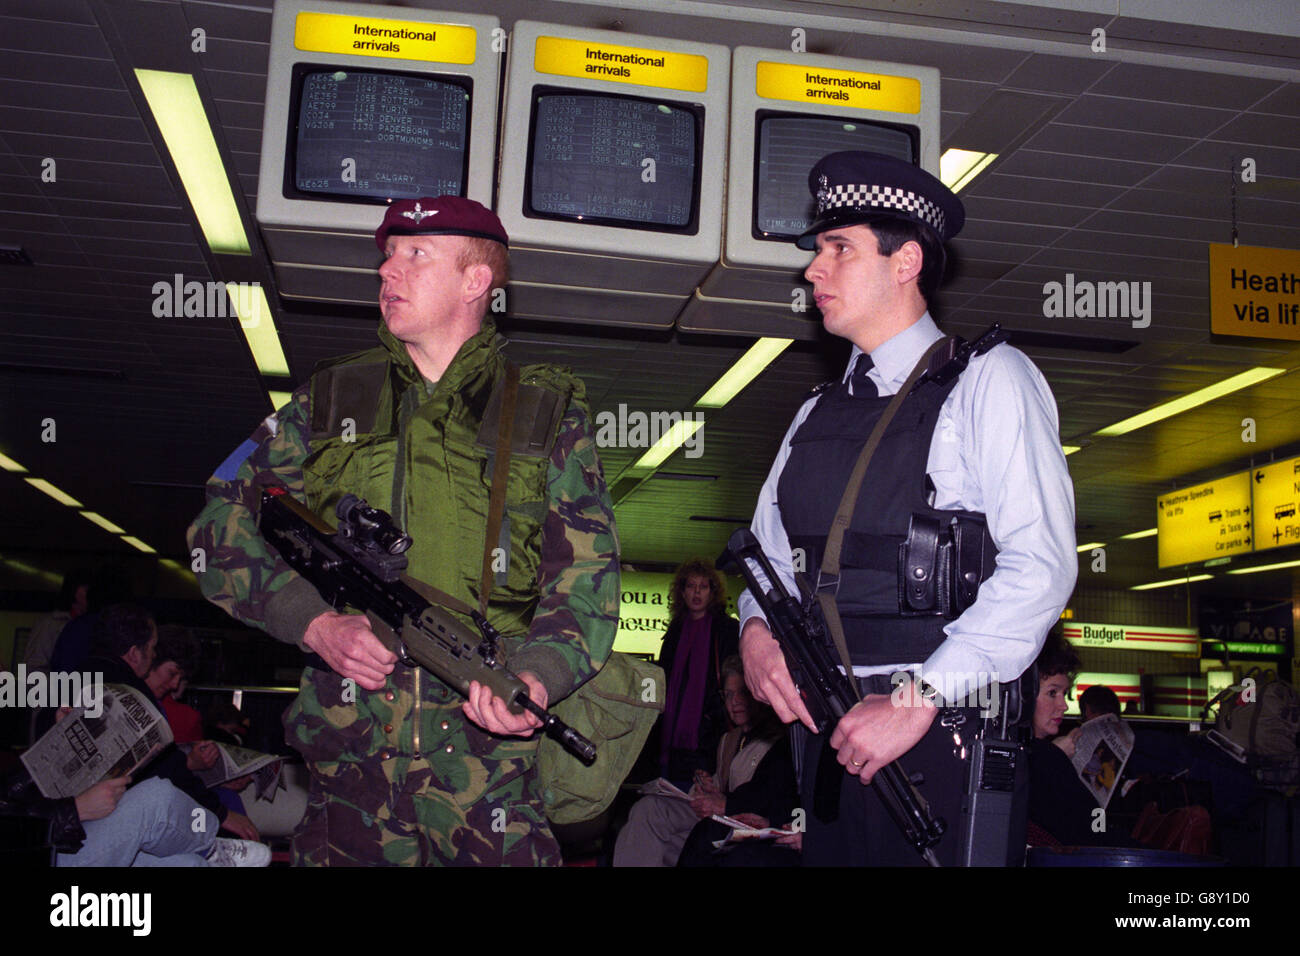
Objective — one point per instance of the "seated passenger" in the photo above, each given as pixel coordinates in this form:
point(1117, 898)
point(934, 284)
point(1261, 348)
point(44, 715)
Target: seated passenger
point(175, 660)
point(1061, 809)
point(150, 824)
point(755, 779)
point(1098, 700)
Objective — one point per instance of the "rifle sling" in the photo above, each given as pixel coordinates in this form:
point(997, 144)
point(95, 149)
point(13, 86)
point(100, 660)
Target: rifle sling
point(500, 477)
point(830, 569)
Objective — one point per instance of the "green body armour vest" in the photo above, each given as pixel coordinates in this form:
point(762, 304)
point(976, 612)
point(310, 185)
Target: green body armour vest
point(425, 454)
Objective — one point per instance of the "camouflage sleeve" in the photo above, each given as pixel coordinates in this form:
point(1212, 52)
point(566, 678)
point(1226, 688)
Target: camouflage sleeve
point(577, 615)
point(241, 573)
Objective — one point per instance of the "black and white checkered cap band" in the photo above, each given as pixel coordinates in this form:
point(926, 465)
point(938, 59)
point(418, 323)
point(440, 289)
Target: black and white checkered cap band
point(883, 197)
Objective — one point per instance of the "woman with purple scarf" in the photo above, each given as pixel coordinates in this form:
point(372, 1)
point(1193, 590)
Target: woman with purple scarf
point(699, 638)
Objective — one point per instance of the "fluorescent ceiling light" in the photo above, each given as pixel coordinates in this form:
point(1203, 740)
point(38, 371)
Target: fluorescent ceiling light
point(1089, 546)
point(1166, 584)
point(179, 113)
point(8, 464)
point(958, 167)
point(61, 497)
point(102, 522)
point(760, 355)
point(1071, 449)
point(138, 544)
point(1148, 533)
point(1267, 567)
point(1187, 402)
point(668, 443)
point(249, 301)
point(279, 399)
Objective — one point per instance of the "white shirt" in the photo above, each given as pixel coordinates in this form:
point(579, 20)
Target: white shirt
point(996, 451)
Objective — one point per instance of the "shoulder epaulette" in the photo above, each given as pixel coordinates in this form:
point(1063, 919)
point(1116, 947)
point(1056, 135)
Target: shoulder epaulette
point(951, 361)
point(818, 390)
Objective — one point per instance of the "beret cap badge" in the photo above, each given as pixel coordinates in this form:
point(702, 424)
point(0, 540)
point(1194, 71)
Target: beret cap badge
point(418, 215)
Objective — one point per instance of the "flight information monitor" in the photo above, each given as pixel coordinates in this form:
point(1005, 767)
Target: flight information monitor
point(788, 110)
point(377, 135)
point(790, 144)
point(614, 159)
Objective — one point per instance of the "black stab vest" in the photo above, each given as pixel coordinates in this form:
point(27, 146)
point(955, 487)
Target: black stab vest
point(823, 453)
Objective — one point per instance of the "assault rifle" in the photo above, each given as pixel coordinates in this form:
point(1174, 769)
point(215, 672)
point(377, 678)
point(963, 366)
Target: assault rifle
point(825, 689)
point(361, 565)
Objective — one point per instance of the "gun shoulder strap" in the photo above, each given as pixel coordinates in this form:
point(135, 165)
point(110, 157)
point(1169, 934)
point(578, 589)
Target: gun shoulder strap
point(828, 578)
point(500, 478)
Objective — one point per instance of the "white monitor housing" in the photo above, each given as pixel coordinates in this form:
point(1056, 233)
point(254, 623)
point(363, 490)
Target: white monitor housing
point(787, 111)
point(366, 104)
point(613, 167)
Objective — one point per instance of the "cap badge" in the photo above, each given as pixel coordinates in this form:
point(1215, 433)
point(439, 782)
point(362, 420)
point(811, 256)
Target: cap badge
point(823, 193)
point(418, 215)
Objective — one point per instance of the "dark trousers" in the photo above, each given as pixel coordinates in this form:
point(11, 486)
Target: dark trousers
point(864, 833)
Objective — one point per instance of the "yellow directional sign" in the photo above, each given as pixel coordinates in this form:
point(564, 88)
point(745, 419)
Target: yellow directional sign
point(1277, 498)
point(1203, 522)
point(1255, 291)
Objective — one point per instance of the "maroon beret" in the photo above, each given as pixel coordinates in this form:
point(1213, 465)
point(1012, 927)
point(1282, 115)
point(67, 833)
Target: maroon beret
point(440, 216)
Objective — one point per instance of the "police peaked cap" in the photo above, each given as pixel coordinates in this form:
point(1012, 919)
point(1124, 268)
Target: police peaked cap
point(440, 216)
point(853, 187)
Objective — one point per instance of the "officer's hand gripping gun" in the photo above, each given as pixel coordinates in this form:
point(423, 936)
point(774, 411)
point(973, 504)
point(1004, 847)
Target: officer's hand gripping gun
point(361, 565)
point(825, 690)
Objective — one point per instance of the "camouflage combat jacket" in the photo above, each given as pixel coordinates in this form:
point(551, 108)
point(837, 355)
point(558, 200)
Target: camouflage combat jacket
point(419, 456)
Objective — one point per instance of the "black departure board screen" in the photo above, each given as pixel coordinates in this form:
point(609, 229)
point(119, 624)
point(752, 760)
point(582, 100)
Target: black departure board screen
point(373, 136)
point(789, 145)
point(612, 159)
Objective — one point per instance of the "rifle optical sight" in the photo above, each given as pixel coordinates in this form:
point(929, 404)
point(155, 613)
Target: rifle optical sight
point(370, 528)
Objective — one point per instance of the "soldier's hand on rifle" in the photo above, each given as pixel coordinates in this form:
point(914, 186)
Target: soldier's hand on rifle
point(767, 675)
point(491, 713)
point(881, 729)
point(348, 645)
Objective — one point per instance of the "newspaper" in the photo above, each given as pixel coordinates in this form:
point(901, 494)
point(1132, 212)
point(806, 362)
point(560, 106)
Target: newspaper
point(663, 788)
point(1101, 750)
point(234, 762)
point(743, 831)
point(79, 751)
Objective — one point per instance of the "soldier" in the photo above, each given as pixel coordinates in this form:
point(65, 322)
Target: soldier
point(403, 770)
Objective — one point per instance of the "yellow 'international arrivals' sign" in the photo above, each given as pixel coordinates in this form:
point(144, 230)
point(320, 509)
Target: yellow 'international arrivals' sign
point(1206, 521)
point(1255, 292)
point(621, 64)
point(398, 39)
point(1277, 496)
point(811, 84)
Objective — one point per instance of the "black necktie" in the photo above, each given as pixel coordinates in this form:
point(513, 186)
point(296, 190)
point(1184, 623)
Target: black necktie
point(863, 386)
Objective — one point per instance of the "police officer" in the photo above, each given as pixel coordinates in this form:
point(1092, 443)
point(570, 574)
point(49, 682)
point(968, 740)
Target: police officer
point(982, 448)
point(403, 771)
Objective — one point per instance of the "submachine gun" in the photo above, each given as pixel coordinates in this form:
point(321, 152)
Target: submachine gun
point(826, 692)
point(361, 565)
